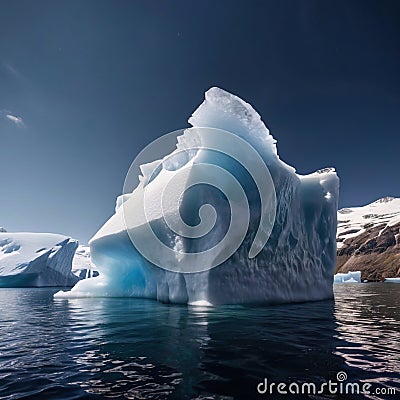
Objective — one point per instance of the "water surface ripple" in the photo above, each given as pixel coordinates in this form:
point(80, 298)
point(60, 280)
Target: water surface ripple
point(141, 349)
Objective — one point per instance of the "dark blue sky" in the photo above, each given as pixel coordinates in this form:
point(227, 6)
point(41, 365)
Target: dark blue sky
point(95, 81)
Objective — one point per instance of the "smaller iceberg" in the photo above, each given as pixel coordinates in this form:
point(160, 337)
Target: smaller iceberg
point(349, 277)
point(392, 280)
point(36, 260)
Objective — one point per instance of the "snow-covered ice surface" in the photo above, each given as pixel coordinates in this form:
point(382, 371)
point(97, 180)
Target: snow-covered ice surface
point(36, 259)
point(82, 266)
point(354, 221)
point(297, 262)
point(349, 277)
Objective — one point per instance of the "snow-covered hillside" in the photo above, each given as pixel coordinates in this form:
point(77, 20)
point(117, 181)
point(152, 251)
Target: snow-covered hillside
point(36, 259)
point(354, 221)
point(368, 239)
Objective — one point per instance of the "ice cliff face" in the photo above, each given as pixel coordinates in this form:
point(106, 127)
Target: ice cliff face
point(282, 247)
point(369, 240)
point(82, 266)
point(36, 259)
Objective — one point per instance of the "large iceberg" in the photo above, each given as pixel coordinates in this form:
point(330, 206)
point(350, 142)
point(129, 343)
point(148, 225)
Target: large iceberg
point(224, 180)
point(36, 259)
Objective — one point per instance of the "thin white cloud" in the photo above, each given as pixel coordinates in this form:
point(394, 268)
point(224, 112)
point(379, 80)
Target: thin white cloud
point(16, 120)
point(11, 69)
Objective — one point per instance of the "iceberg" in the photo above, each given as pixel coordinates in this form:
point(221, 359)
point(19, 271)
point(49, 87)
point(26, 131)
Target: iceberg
point(392, 280)
point(349, 277)
point(82, 267)
point(36, 259)
point(220, 220)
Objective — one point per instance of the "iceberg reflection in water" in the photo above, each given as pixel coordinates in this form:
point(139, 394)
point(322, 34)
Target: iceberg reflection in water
point(135, 348)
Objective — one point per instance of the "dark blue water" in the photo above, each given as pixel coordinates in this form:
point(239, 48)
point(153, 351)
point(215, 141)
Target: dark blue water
point(139, 349)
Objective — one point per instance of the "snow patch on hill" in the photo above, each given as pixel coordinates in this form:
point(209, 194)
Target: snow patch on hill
point(355, 220)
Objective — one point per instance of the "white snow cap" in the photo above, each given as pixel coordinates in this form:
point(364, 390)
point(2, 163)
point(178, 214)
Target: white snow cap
point(223, 110)
point(355, 220)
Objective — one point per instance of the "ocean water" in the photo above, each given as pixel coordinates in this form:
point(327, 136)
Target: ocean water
point(140, 349)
